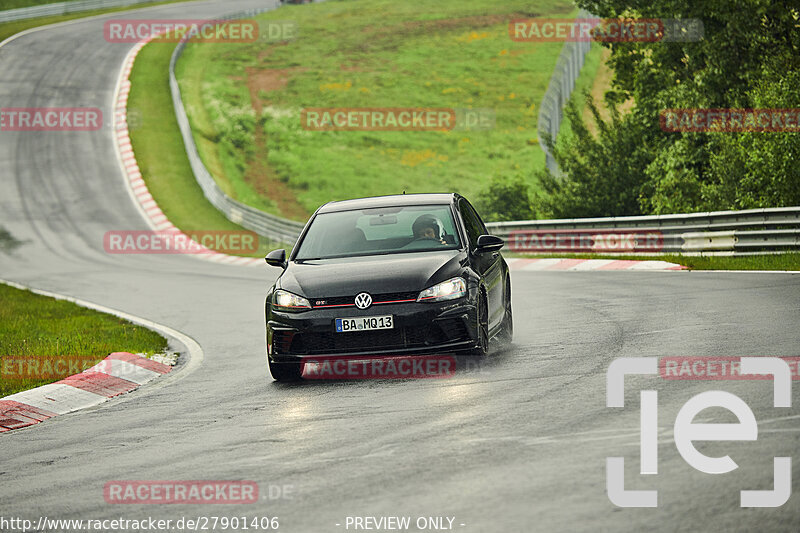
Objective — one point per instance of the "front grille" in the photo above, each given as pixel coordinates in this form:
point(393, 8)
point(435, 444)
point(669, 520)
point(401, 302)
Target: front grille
point(448, 330)
point(339, 300)
point(282, 341)
point(376, 299)
point(321, 343)
point(453, 329)
point(394, 296)
point(440, 332)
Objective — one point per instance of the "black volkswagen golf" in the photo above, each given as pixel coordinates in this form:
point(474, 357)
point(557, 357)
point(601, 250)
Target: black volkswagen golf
point(391, 275)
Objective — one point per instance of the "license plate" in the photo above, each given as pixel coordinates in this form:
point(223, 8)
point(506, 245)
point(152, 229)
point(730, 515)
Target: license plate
point(364, 323)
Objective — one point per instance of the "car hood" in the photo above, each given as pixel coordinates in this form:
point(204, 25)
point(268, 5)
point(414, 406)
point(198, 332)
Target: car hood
point(375, 274)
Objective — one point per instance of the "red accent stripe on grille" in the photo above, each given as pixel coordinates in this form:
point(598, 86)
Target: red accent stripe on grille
point(373, 303)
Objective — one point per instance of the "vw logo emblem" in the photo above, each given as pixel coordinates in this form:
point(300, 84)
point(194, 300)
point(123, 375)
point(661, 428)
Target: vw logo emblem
point(363, 300)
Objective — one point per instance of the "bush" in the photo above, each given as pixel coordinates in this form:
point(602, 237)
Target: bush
point(506, 198)
point(746, 59)
point(600, 176)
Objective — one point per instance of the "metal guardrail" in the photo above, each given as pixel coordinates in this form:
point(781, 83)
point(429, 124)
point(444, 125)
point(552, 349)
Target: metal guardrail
point(265, 224)
point(274, 227)
point(560, 88)
point(63, 8)
point(734, 232)
point(561, 84)
point(713, 220)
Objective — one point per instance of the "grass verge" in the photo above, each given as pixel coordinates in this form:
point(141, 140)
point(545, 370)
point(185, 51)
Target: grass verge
point(784, 261)
point(7, 29)
point(157, 142)
point(160, 152)
point(14, 4)
point(245, 100)
point(54, 332)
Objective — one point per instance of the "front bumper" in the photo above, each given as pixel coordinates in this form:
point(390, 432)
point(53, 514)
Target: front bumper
point(421, 328)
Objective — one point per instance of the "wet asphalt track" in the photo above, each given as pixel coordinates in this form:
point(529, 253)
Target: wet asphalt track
point(516, 443)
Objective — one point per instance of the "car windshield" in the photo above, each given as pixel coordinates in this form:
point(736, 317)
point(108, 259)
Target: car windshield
point(379, 231)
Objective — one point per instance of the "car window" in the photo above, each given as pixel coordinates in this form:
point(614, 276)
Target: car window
point(472, 222)
point(384, 230)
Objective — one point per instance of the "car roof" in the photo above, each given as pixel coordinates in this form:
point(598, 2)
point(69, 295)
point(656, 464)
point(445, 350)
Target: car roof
point(388, 201)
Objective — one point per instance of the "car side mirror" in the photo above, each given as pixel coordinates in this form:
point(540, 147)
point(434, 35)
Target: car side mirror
point(488, 243)
point(276, 258)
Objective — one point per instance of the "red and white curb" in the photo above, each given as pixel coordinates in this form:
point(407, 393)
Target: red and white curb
point(193, 352)
point(554, 263)
point(142, 198)
point(117, 374)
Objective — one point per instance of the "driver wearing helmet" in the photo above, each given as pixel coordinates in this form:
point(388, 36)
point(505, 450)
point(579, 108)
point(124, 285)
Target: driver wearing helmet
point(428, 227)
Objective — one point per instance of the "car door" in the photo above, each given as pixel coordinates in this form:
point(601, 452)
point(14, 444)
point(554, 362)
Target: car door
point(488, 265)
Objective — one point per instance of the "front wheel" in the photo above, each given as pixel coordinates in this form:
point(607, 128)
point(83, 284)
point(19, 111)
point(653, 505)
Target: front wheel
point(483, 327)
point(506, 334)
point(286, 371)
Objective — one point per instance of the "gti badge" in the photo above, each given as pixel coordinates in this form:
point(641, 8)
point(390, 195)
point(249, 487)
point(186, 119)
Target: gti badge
point(363, 300)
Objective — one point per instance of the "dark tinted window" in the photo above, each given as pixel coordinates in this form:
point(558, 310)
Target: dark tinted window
point(472, 222)
point(386, 230)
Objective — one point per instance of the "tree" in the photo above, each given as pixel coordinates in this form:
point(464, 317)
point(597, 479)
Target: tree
point(506, 198)
point(749, 57)
point(602, 175)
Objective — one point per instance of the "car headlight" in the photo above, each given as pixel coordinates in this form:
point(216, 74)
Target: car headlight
point(289, 301)
point(446, 290)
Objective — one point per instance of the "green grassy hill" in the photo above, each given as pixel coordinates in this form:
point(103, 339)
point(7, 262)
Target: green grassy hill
point(245, 100)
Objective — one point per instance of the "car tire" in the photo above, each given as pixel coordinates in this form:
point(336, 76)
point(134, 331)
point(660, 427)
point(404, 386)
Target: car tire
point(482, 348)
point(286, 371)
point(506, 334)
